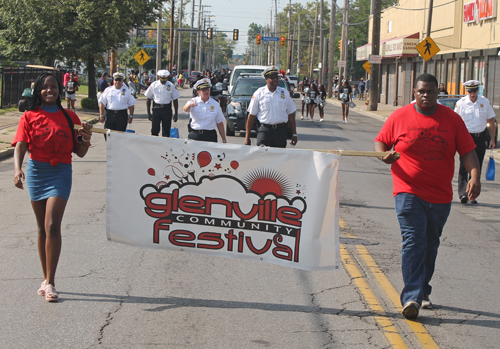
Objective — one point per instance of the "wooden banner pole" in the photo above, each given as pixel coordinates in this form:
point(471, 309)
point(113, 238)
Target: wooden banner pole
point(337, 152)
point(97, 130)
point(356, 153)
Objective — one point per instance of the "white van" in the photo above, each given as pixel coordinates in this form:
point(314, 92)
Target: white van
point(241, 69)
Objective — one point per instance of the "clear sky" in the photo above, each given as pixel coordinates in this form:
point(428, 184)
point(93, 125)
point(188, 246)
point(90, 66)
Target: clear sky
point(238, 14)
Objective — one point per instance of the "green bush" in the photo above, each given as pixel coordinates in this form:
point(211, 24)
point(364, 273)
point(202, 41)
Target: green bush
point(89, 103)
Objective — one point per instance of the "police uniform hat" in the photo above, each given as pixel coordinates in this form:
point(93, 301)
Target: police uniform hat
point(163, 74)
point(471, 85)
point(203, 83)
point(118, 75)
point(270, 71)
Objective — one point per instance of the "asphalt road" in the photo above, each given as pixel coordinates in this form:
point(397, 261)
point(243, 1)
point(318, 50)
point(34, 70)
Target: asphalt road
point(117, 296)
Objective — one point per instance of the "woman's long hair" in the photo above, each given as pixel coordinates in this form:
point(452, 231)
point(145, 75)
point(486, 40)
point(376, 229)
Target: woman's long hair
point(37, 101)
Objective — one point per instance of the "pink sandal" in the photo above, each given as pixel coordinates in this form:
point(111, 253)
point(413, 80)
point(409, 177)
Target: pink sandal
point(41, 290)
point(51, 293)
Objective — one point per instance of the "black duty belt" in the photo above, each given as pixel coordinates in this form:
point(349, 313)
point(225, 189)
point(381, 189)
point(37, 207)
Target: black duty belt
point(156, 105)
point(477, 135)
point(283, 124)
point(116, 111)
point(202, 131)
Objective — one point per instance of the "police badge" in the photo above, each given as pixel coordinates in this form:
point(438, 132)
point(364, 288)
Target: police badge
point(282, 94)
point(168, 87)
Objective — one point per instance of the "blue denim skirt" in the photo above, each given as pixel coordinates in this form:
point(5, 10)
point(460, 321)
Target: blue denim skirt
point(45, 181)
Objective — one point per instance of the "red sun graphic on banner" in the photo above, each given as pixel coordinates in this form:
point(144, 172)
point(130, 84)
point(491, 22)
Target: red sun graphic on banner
point(264, 181)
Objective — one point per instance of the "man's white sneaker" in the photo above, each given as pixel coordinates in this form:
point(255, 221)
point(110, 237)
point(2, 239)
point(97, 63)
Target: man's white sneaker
point(426, 303)
point(302, 117)
point(410, 310)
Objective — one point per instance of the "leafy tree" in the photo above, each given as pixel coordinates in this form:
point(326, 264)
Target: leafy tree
point(66, 29)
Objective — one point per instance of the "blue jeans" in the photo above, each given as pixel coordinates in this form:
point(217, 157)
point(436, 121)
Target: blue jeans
point(421, 225)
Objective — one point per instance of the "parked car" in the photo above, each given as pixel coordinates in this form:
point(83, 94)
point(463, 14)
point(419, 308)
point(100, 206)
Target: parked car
point(451, 101)
point(292, 80)
point(236, 112)
point(193, 77)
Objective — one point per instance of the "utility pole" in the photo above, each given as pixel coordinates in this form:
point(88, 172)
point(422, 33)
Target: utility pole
point(429, 22)
point(179, 41)
point(345, 35)
point(269, 52)
point(158, 39)
point(198, 38)
point(298, 54)
point(321, 45)
point(375, 68)
point(190, 58)
point(171, 57)
point(289, 48)
point(311, 64)
point(277, 48)
point(332, 47)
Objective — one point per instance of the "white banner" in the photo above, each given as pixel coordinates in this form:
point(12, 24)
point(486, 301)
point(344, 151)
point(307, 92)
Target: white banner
point(266, 204)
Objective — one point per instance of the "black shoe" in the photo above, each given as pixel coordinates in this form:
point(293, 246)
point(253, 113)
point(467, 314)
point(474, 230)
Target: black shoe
point(463, 199)
point(474, 202)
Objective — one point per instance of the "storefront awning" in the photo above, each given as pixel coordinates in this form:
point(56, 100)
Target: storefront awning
point(399, 46)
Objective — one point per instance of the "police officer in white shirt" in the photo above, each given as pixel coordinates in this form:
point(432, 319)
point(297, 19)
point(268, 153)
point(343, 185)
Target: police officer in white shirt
point(113, 105)
point(162, 92)
point(205, 115)
point(476, 112)
point(274, 109)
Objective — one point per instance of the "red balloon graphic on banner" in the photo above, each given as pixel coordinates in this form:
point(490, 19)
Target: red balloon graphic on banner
point(151, 171)
point(235, 165)
point(204, 158)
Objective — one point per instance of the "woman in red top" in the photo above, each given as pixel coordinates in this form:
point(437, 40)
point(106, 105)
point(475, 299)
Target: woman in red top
point(48, 130)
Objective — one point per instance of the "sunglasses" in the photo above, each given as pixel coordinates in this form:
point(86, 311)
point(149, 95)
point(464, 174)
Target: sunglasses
point(118, 79)
point(204, 89)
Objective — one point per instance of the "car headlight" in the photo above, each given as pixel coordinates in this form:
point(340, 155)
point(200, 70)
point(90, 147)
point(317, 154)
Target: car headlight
point(236, 106)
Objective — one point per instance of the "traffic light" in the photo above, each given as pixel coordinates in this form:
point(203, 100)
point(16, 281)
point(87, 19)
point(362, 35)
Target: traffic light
point(282, 41)
point(150, 33)
point(259, 39)
point(340, 45)
point(209, 33)
point(235, 34)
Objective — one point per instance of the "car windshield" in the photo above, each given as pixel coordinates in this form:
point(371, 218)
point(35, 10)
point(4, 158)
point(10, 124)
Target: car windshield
point(451, 102)
point(238, 72)
point(246, 87)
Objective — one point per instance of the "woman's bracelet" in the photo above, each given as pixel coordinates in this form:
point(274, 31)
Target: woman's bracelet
point(85, 140)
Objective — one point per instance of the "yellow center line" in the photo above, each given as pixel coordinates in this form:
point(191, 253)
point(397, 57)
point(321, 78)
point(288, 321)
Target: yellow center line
point(390, 331)
point(420, 331)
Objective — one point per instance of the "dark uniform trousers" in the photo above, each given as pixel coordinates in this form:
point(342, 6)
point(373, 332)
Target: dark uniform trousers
point(203, 135)
point(463, 175)
point(272, 135)
point(162, 114)
point(116, 119)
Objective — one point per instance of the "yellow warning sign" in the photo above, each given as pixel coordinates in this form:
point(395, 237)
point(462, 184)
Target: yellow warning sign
point(367, 67)
point(141, 57)
point(427, 48)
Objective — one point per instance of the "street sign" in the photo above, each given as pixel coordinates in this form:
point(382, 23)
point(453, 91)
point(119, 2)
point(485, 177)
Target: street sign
point(341, 64)
point(270, 38)
point(141, 57)
point(367, 67)
point(427, 48)
point(149, 46)
point(375, 59)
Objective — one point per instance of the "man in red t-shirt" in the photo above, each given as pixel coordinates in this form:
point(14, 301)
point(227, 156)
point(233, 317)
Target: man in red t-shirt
point(426, 135)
